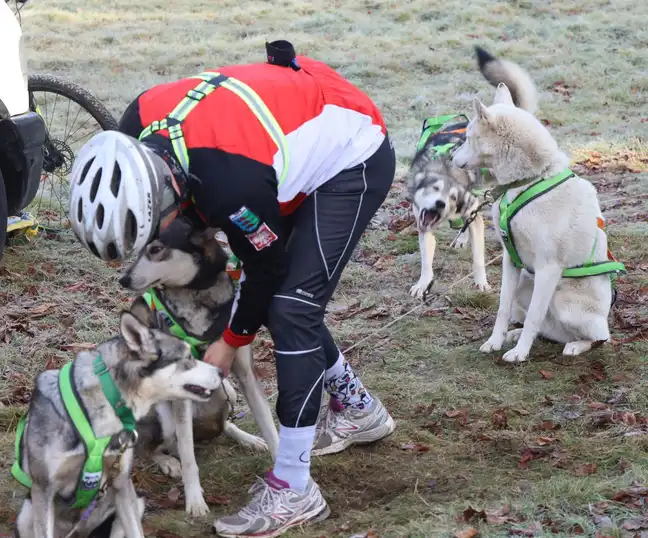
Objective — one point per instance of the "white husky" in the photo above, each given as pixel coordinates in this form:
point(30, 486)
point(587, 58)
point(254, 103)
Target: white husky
point(551, 239)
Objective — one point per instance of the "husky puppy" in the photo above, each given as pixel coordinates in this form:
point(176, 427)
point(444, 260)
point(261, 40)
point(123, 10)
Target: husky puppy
point(441, 192)
point(146, 366)
point(188, 270)
point(555, 236)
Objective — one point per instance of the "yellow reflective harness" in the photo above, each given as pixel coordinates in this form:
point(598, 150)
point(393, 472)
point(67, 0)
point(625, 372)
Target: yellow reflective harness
point(209, 82)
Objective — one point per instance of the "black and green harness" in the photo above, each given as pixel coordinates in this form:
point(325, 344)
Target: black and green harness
point(441, 138)
point(88, 485)
point(437, 135)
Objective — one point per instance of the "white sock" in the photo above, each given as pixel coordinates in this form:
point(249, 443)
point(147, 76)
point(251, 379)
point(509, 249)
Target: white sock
point(293, 456)
point(343, 384)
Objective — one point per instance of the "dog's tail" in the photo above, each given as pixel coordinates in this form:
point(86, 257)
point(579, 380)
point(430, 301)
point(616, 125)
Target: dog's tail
point(518, 81)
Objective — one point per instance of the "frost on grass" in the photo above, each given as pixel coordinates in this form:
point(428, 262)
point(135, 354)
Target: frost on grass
point(556, 446)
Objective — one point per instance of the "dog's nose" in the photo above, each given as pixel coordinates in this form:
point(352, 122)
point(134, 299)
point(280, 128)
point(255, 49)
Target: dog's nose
point(125, 281)
point(440, 204)
point(221, 374)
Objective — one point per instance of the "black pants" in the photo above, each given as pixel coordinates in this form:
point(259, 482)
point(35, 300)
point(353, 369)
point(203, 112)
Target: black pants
point(323, 234)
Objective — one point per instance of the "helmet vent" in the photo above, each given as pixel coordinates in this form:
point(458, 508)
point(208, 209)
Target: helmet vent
point(84, 172)
point(80, 211)
point(130, 230)
point(111, 250)
point(93, 249)
point(115, 181)
point(95, 185)
point(99, 216)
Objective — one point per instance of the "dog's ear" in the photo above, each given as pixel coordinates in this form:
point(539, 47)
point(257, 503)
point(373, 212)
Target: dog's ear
point(503, 95)
point(211, 248)
point(142, 312)
point(137, 335)
point(481, 111)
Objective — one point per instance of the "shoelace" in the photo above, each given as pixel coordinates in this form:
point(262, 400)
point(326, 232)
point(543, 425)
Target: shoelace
point(265, 497)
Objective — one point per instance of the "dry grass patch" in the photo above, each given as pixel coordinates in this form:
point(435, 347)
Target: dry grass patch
point(554, 439)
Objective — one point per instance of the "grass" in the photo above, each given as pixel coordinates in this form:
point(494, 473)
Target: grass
point(554, 438)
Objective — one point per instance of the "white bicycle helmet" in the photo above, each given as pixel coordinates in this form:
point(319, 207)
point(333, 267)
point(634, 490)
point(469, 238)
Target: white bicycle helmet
point(117, 192)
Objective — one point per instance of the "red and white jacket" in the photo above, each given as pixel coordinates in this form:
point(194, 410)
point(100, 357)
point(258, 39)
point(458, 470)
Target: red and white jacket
point(329, 124)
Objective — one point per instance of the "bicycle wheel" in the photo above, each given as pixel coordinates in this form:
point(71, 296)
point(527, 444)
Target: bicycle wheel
point(72, 116)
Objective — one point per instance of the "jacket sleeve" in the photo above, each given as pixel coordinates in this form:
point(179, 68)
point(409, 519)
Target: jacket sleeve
point(250, 219)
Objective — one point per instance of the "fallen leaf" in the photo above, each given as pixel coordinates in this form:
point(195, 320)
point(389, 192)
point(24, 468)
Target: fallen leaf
point(547, 425)
point(500, 516)
point(216, 500)
point(77, 286)
point(635, 524)
point(530, 454)
point(543, 441)
point(546, 375)
point(468, 532)
point(597, 406)
point(499, 419)
point(586, 469)
point(462, 414)
point(54, 362)
point(173, 494)
point(470, 515)
point(414, 447)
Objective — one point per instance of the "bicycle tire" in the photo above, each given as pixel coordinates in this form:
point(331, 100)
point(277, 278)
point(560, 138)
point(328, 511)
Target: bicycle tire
point(4, 215)
point(37, 82)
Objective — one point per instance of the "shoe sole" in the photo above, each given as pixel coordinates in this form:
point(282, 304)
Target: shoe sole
point(362, 438)
point(319, 516)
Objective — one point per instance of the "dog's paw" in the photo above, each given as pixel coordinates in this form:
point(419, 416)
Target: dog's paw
point(461, 241)
point(492, 344)
point(169, 465)
point(195, 504)
point(515, 355)
point(418, 289)
point(482, 286)
point(576, 348)
point(513, 336)
point(256, 443)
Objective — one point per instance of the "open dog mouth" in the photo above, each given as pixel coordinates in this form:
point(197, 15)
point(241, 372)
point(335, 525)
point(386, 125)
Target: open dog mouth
point(197, 390)
point(428, 218)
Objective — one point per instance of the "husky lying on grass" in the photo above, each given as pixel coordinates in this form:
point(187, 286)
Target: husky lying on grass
point(75, 445)
point(556, 267)
point(193, 298)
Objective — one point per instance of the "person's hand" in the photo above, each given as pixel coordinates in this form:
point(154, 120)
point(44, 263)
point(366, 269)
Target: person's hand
point(221, 355)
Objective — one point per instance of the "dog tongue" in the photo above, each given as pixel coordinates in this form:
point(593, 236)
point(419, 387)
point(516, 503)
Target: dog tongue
point(429, 218)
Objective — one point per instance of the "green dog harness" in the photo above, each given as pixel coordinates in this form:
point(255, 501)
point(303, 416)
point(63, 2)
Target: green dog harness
point(442, 143)
point(509, 209)
point(210, 81)
point(91, 474)
point(157, 305)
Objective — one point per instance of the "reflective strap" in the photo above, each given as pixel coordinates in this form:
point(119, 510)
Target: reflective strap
point(211, 81)
point(16, 469)
point(509, 210)
point(93, 466)
point(433, 125)
point(594, 269)
point(263, 114)
point(155, 304)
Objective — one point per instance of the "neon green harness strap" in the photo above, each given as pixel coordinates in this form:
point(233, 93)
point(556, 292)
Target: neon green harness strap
point(433, 125)
point(90, 478)
point(154, 303)
point(509, 209)
point(16, 469)
point(210, 81)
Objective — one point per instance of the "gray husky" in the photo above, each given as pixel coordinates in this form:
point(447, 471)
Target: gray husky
point(146, 366)
point(441, 192)
point(187, 269)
